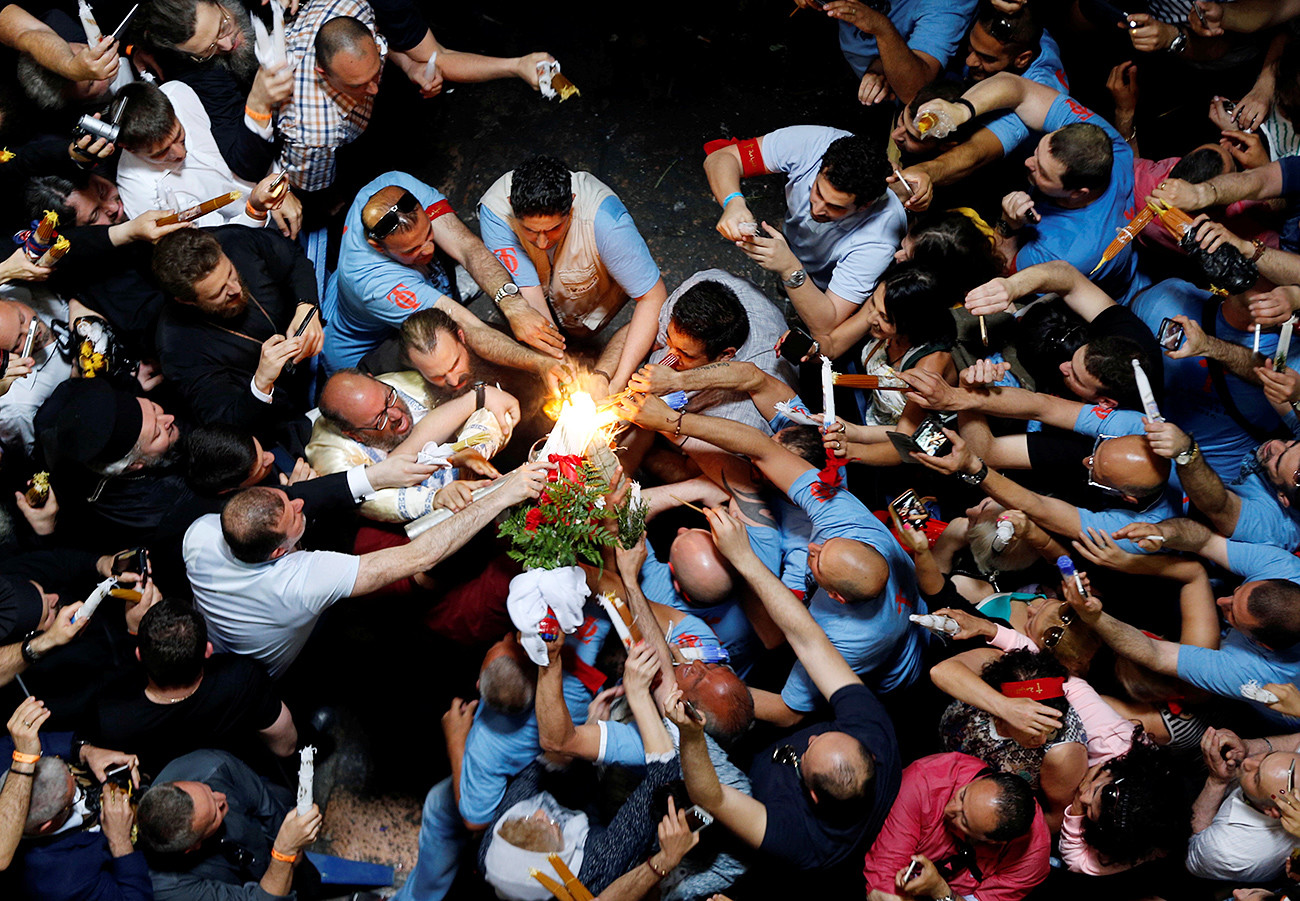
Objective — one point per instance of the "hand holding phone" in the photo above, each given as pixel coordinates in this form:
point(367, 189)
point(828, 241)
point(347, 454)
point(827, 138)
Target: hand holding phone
point(796, 345)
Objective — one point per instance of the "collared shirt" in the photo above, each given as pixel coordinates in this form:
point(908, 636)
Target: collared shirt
point(916, 825)
point(1241, 844)
point(319, 120)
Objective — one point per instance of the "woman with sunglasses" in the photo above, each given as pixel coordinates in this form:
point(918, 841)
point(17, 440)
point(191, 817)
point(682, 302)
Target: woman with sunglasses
point(1048, 752)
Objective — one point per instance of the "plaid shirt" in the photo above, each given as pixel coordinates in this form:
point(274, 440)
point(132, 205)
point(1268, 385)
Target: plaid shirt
point(319, 120)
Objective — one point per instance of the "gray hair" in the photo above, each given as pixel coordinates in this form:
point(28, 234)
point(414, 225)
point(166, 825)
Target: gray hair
point(1014, 557)
point(49, 793)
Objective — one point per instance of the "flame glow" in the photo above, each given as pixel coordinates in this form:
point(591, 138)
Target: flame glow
point(577, 424)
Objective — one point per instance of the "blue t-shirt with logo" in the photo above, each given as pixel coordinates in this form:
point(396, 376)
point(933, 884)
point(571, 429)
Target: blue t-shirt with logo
point(1262, 518)
point(935, 27)
point(1046, 69)
point(371, 294)
point(875, 637)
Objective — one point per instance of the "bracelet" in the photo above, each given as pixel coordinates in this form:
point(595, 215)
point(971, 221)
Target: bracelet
point(734, 194)
point(1132, 136)
point(966, 103)
point(654, 869)
point(1215, 188)
point(283, 858)
point(20, 757)
point(677, 429)
point(607, 376)
point(255, 116)
point(1260, 247)
point(252, 213)
point(1270, 745)
point(14, 772)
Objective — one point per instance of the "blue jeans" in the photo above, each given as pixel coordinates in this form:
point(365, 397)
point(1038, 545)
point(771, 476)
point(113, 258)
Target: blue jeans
point(443, 837)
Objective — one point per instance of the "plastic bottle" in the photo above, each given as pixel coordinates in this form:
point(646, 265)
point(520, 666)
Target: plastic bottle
point(1066, 566)
point(1002, 537)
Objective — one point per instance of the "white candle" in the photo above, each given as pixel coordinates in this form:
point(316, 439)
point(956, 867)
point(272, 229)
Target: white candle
point(606, 601)
point(279, 46)
point(1144, 391)
point(92, 603)
point(88, 23)
point(1256, 337)
point(431, 67)
point(828, 394)
point(306, 773)
point(1283, 345)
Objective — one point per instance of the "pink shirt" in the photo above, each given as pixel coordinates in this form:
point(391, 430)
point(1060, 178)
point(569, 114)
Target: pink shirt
point(1241, 218)
point(916, 826)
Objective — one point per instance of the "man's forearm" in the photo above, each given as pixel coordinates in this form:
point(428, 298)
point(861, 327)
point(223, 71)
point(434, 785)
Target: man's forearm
point(1207, 804)
point(27, 34)
point(697, 770)
point(1256, 15)
point(1185, 535)
point(462, 67)
point(807, 639)
point(1130, 642)
point(949, 168)
point(814, 308)
point(1280, 267)
point(1207, 493)
point(15, 798)
point(641, 613)
point(1261, 183)
point(1240, 361)
point(633, 885)
point(278, 878)
point(727, 375)
point(722, 170)
point(483, 266)
point(554, 723)
point(1052, 514)
point(496, 347)
point(640, 336)
point(905, 70)
point(728, 435)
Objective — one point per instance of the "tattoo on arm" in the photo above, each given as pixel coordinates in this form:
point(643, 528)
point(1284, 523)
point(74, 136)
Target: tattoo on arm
point(751, 504)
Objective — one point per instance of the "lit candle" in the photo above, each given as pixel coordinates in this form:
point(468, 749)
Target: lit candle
point(306, 773)
point(828, 394)
point(55, 253)
point(96, 598)
point(88, 23)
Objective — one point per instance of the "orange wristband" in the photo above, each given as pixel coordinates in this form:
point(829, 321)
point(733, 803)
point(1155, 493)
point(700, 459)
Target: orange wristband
point(252, 213)
point(283, 858)
point(256, 117)
point(20, 757)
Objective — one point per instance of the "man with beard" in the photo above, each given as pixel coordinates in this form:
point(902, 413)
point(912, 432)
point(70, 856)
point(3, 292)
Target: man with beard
point(111, 454)
point(209, 46)
point(366, 419)
point(240, 295)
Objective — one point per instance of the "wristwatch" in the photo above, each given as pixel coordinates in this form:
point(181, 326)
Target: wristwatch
point(975, 478)
point(1179, 43)
point(1188, 455)
point(795, 279)
point(509, 289)
point(480, 395)
point(30, 656)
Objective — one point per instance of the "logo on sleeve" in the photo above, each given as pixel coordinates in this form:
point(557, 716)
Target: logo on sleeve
point(403, 297)
point(1101, 412)
point(508, 259)
point(1078, 109)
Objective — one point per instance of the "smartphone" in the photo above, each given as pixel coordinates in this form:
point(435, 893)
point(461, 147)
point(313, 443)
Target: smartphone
point(311, 314)
point(31, 337)
point(910, 509)
point(930, 439)
point(697, 818)
point(1170, 335)
point(279, 178)
point(134, 560)
point(796, 345)
point(913, 870)
point(119, 776)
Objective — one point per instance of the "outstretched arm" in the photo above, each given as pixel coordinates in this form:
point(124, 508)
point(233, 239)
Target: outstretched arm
point(1056, 276)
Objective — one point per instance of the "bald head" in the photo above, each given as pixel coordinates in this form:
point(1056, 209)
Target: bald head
point(703, 575)
point(365, 409)
point(718, 693)
point(1130, 466)
point(342, 34)
point(344, 396)
point(380, 203)
point(852, 570)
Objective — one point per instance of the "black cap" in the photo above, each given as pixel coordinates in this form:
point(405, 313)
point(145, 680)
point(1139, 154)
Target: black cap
point(88, 421)
point(21, 609)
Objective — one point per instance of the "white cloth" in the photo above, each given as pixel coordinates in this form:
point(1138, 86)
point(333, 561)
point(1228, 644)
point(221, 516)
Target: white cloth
point(266, 610)
point(203, 174)
point(1242, 844)
point(19, 404)
point(534, 591)
point(507, 868)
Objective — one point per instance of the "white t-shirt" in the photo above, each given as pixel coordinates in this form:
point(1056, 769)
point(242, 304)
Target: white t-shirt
point(19, 405)
point(266, 610)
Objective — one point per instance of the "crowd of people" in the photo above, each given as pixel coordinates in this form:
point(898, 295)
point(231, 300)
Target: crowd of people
point(970, 567)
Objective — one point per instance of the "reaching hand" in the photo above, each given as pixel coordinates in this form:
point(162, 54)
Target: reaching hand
point(1247, 149)
point(41, 519)
point(931, 391)
point(18, 268)
point(647, 411)
point(25, 724)
point(297, 832)
point(770, 250)
point(835, 439)
point(917, 193)
point(1150, 34)
point(1211, 235)
point(145, 227)
point(602, 704)
point(525, 483)
point(1123, 87)
point(729, 534)
point(1195, 343)
point(733, 214)
point(502, 405)
point(96, 62)
point(398, 471)
point(1146, 535)
point(1253, 109)
point(675, 710)
point(1166, 439)
point(302, 472)
point(1276, 306)
point(1183, 194)
point(960, 459)
point(471, 460)
point(457, 495)
point(675, 838)
point(983, 374)
point(528, 67)
point(858, 14)
point(458, 719)
point(1099, 547)
point(1288, 698)
point(1028, 715)
point(971, 626)
point(1223, 751)
point(1018, 209)
point(639, 671)
point(1281, 388)
point(630, 560)
point(654, 378)
point(1212, 27)
point(990, 297)
point(533, 328)
point(874, 88)
point(1085, 604)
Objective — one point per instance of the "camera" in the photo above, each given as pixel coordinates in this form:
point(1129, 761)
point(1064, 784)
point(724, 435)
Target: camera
point(98, 128)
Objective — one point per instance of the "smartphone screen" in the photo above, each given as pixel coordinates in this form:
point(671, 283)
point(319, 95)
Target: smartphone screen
point(910, 509)
point(1171, 334)
point(930, 439)
point(796, 345)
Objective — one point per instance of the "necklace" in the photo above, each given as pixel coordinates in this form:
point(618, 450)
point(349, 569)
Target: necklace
point(189, 694)
point(261, 310)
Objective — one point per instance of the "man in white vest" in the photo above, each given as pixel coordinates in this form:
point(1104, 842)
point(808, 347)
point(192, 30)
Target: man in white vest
point(576, 255)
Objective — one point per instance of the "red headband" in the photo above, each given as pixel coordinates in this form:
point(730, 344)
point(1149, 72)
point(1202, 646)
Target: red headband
point(1035, 689)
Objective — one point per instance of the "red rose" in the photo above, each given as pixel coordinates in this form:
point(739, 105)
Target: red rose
point(533, 519)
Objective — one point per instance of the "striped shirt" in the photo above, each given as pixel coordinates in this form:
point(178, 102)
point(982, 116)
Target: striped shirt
point(319, 119)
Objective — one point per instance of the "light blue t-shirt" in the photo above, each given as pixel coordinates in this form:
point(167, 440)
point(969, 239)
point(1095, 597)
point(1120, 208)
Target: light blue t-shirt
point(1239, 659)
point(371, 293)
point(726, 621)
point(846, 255)
point(1190, 400)
point(499, 745)
point(935, 27)
point(1262, 519)
point(875, 636)
point(622, 249)
point(1046, 69)
point(1080, 236)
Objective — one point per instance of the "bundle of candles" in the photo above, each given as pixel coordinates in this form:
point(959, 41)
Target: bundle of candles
point(201, 209)
point(38, 241)
point(569, 888)
point(552, 83)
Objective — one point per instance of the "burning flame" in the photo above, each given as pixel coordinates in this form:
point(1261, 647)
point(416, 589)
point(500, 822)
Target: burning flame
point(577, 424)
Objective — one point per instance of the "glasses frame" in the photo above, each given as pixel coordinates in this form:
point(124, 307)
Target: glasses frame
point(388, 223)
point(381, 421)
point(1052, 635)
point(1092, 463)
point(227, 22)
point(786, 755)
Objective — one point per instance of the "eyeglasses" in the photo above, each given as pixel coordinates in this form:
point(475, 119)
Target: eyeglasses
point(1000, 30)
point(224, 33)
point(1052, 636)
point(389, 222)
point(381, 422)
point(1109, 796)
point(1092, 466)
point(786, 755)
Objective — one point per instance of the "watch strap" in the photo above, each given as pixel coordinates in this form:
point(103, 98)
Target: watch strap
point(978, 477)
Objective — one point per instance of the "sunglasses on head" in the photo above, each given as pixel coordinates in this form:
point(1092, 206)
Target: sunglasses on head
point(1052, 636)
point(389, 222)
point(1000, 30)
